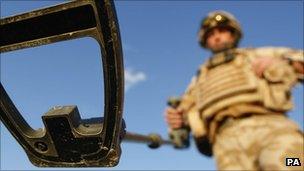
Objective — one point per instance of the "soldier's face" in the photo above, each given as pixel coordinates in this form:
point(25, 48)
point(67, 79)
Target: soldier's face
point(219, 39)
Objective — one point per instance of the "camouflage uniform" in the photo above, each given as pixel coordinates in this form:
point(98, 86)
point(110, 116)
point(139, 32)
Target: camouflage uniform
point(243, 115)
point(259, 142)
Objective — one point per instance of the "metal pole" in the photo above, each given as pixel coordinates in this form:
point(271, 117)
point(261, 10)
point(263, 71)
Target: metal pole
point(153, 140)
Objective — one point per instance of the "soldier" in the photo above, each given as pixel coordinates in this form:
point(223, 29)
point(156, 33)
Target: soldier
point(236, 105)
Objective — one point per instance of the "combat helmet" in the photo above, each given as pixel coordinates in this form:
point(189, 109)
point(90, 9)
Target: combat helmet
point(218, 19)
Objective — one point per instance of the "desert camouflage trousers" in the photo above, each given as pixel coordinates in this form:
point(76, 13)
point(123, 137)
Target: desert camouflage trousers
point(258, 142)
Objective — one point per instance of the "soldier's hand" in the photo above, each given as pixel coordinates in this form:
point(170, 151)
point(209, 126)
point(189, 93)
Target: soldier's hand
point(174, 118)
point(260, 64)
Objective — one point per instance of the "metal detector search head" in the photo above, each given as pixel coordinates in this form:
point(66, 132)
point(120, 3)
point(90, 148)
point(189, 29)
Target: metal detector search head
point(67, 140)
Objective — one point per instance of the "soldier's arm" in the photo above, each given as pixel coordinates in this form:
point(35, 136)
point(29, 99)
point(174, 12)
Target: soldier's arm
point(297, 62)
point(293, 56)
point(187, 102)
point(295, 59)
point(193, 119)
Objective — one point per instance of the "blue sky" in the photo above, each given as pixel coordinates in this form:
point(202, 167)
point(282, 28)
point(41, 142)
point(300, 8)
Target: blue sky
point(161, 54)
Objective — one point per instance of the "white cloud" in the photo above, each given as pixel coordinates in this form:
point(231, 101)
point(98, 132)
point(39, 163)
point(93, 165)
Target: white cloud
point(133, 77)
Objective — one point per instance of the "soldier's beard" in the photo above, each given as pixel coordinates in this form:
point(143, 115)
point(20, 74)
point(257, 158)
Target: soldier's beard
point(223, 47)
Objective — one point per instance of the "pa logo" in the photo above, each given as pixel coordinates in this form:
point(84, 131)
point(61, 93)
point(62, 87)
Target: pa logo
point(293, 162)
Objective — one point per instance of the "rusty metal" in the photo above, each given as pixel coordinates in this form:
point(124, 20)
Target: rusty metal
point(67, 140)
